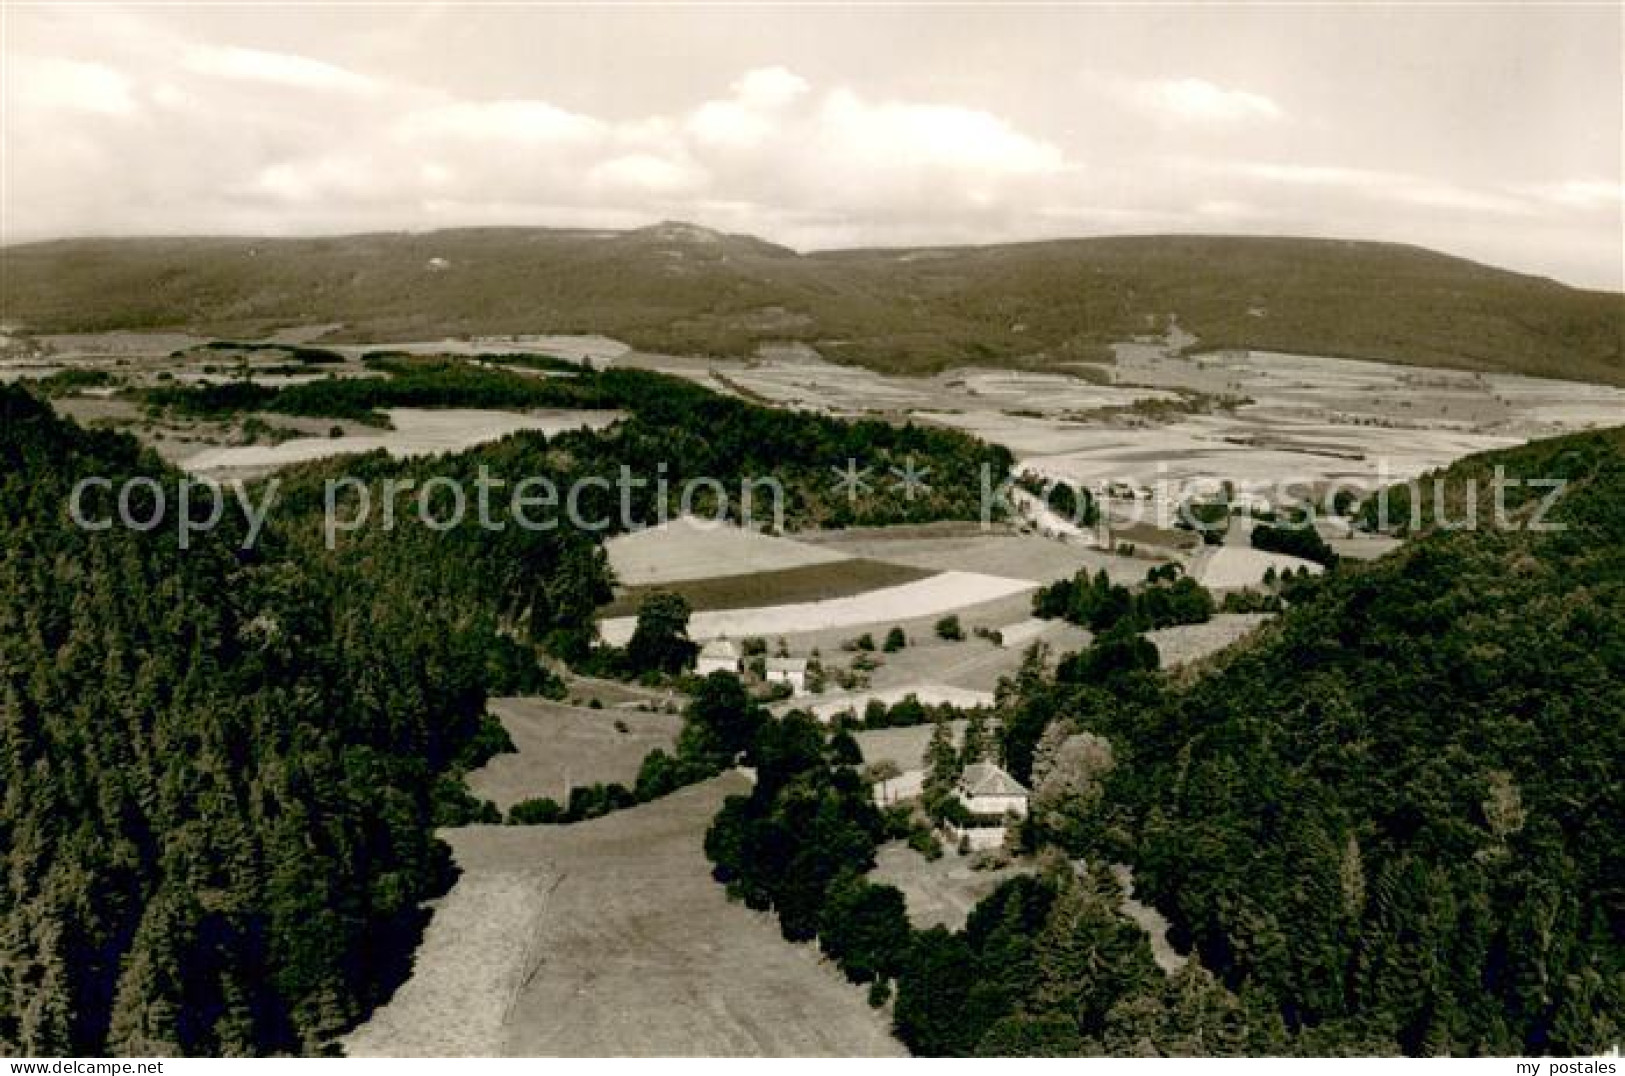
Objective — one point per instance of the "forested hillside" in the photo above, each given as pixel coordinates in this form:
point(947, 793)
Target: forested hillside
point(1397, 813)
point(217, 773)
point(679, 288)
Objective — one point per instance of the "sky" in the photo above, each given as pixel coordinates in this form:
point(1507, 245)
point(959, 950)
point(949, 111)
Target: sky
point(1492, 132)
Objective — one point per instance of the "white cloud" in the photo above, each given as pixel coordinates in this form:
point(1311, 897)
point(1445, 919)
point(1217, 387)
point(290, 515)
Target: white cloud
point(769, 87)
point(645, 173)
point(51, 83)
point(307, 181)
point(941, 136)
point(1198, 100)
point(524, 121)
point(277, 68)
point(1389, 186)
point(1576, 193)
point(729, 124)
point(753, 113)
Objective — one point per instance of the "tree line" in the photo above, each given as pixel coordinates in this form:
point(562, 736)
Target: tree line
point(1167, 598)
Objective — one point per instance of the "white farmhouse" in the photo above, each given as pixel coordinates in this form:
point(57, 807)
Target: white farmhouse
point(792, 671)
point(718, 655)
point(992, 800)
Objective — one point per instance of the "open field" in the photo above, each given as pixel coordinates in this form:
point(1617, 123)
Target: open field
point(1311, 419)
point(809, 583)
point(560, 747)
point(687, 548)
point(801, 379)
point(1229, 567)
point(1014, 556)
point(1023, 633)
point(1364, 547)
point(1252, 445)
point(615, 941)
point(118, 343)
point(934, 595)
point(828, 705)
point(620, 694)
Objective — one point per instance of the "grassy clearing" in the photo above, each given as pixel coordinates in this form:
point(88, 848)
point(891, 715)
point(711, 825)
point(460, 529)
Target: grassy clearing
point(561, 747)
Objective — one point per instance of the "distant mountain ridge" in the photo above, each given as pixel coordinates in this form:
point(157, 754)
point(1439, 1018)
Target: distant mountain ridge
point(683, 288)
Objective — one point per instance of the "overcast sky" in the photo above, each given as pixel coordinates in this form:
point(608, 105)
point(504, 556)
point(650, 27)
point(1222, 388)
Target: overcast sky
point(1491, 132)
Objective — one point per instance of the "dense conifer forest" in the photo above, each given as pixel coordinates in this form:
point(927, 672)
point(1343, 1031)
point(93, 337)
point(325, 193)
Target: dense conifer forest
point(217, 773)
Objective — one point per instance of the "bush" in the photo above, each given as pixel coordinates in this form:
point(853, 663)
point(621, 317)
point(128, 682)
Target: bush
point(924, 840)
point(1298, 540)
point(454, 805)
point(950, 629)
point(541, 811)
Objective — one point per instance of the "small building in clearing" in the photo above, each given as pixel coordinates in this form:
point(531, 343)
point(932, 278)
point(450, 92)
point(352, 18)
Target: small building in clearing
point(718, 655)
point(991, 800)
point(792, 671)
